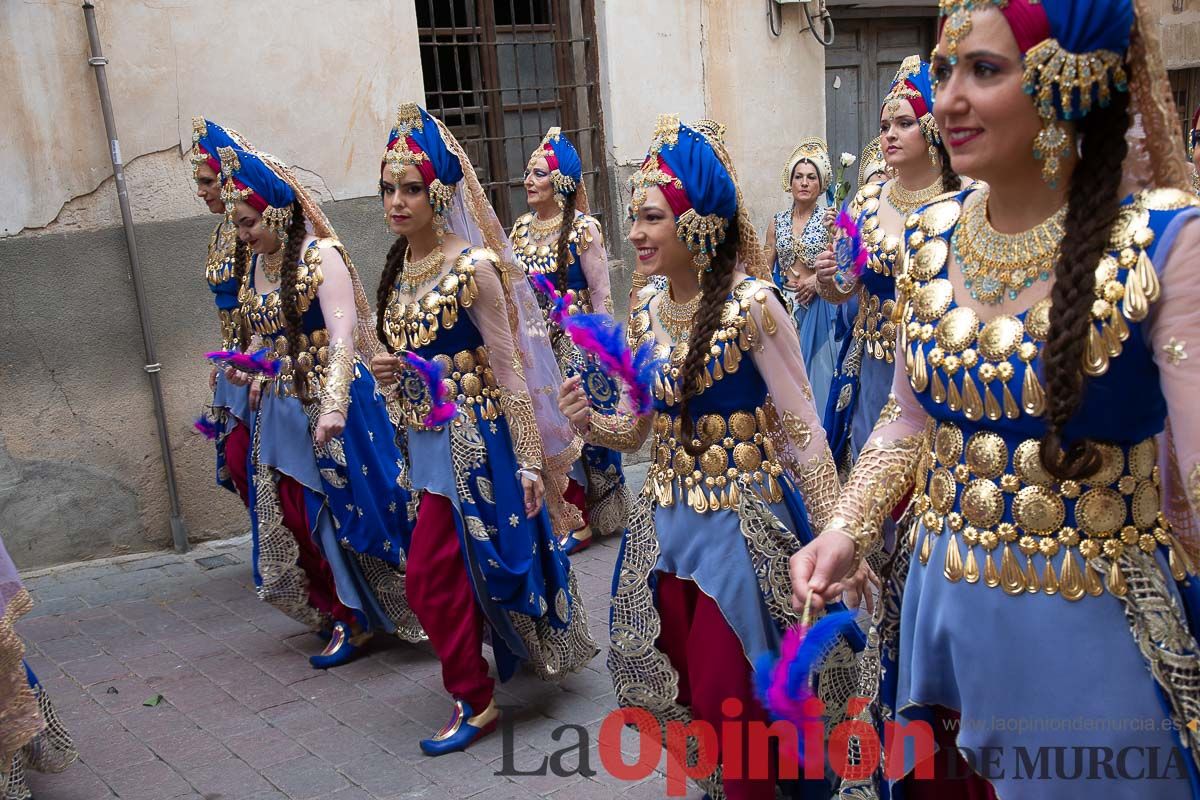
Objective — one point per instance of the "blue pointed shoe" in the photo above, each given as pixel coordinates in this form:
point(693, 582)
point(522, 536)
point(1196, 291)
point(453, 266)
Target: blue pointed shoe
point(578, 540)
point(464, 728)
point(342, 649)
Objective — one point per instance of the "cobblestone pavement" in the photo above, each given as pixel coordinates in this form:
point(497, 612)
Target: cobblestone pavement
point(244, 716)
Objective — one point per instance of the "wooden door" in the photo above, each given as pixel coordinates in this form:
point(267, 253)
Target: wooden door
point(859, 68)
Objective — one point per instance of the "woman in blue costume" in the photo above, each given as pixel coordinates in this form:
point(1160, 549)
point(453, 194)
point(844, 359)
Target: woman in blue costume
point(230, 403)
point(741, 473)
point(31, 734)
point(558, 238)
point(329, 514)
point(796, 237)
point(1039, 603)
point(482, 554)
point(913, 150)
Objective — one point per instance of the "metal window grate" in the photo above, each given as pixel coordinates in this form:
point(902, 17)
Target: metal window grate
point(500, 72)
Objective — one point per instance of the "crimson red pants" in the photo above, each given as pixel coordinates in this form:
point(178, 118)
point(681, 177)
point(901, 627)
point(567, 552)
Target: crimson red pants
point(712, 667)
point(440, 594)
point(237, 459)
point(952, 777)
point(322, 591)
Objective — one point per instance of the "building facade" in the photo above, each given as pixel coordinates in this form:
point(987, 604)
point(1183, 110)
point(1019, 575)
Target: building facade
point(80, 472)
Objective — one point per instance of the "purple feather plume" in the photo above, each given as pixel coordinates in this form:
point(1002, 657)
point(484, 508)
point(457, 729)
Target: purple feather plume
point(441, 409)
point(560, 304)
point(784, 683)
point(208, 427)
point(851, 255)
point(257, 363)
point(597, 336)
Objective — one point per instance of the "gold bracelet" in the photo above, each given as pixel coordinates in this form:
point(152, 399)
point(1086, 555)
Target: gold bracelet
point(339, 373)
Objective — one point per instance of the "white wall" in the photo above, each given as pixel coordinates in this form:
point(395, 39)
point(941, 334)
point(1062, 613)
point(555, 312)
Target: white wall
point(315, 82)
point(718, 59)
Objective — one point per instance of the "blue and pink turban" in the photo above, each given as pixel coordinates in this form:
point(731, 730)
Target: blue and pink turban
point(416, 140)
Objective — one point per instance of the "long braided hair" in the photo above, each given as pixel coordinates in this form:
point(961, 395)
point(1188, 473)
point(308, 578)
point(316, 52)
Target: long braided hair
point(290, 302)
point(391, 271)
point(1093, 203)
point(241, 265)
point(951, 180)
point(562, 246)
point(715, 285)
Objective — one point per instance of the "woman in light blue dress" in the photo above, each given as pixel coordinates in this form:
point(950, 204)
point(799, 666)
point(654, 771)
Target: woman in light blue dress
point(796, 237)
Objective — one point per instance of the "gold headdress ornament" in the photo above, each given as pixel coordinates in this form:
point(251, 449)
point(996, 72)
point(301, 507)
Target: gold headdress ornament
point(871, 161)
point(811, 149)
point(563, 184)
point(197, 156)
point(1062, 83)
point(399, 156)
point(666, 134)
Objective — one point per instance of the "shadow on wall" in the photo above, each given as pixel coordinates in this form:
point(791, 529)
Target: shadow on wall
point(53, 511)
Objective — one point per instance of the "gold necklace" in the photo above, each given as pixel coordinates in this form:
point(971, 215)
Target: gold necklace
point(417, 273)
point(905, 202)
point(273, 265)
point(995, 264)
point(676, 318)
point(542, 228)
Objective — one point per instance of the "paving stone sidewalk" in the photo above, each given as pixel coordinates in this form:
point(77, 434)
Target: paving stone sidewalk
point(244, 717)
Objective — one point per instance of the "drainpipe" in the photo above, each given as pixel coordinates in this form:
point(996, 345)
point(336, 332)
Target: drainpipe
point(152, 367)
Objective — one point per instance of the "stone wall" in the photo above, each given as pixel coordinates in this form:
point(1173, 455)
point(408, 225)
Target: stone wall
point(80, 473)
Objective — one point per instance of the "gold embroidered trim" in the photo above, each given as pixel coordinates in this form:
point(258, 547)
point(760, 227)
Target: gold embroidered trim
point(19, 717)
point(284, 583)
point(338, 375)
point(820, 487)
point(642, 675)
point(619, 431)
point(527, 441)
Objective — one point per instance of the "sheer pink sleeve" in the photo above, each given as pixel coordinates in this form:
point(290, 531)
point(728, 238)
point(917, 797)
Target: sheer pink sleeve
point(336, 296)
point(489, 312)
point(796, 431)
point(1175, 336)
point(594, 262)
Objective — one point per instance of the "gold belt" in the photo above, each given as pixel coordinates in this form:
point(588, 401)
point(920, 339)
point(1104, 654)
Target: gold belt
point(468, 378)
point(739, 449)
point(997, 498)
point(313, 359)
point(874, 326)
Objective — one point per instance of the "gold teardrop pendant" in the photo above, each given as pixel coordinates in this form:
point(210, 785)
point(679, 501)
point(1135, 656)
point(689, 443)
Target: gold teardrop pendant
point(1011, 576)
point(972, 402)
point(953, 569)
point(971, 567)
point(1072, 582)
point(990, 576)
point(991, 406)
point(936, 389)
point(1033, 399)
point(1011, 409)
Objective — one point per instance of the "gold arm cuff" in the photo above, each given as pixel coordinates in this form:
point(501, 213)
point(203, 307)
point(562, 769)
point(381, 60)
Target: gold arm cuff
point(338, 374)
point(885, 472)
point(818, 482)
point(618, 431)
point(522, 425)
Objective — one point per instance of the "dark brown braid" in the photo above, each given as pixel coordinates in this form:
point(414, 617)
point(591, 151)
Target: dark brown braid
point(241, 264)
point(289, 299)
point(391, 271)
point(951, 180)
point(561, 247)
point(715, 285)
point(1093, 202)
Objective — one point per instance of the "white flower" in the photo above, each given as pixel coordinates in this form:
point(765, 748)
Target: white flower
point(848, 159)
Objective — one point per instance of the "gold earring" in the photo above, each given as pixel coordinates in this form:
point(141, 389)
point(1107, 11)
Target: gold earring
point(1050, 146)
